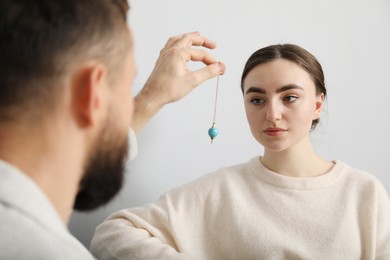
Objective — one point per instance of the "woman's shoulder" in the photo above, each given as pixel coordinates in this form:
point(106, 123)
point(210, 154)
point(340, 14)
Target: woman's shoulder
point(355, 172)
point(360, 177)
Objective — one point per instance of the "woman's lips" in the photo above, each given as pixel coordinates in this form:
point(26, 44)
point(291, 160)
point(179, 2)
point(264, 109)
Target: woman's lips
point(275, 131)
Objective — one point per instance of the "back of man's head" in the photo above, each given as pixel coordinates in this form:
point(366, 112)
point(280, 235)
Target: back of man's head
point(42, 40)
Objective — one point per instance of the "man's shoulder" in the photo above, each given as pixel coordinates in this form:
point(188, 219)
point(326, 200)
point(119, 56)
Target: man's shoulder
point(22, 237)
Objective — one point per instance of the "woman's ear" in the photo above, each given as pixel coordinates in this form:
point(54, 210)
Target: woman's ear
point(319, 105)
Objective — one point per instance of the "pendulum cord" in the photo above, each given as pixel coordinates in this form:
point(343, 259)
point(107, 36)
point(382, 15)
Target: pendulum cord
point(213, 131)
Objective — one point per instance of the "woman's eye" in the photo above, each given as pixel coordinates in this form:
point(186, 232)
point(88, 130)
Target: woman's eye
point(257, 101)
point(290, 99)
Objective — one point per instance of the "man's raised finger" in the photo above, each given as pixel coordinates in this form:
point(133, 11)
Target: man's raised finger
point(200, 55)
point(173, 40)
point(191, 39)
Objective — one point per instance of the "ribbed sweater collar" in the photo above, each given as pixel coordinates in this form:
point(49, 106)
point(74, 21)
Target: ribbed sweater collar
point(297, 183)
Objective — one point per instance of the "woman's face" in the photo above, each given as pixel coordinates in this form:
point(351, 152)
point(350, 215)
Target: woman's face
point(281, 103)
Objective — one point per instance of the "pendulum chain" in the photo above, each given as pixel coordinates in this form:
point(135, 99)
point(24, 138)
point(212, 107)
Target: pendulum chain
point(213, 131)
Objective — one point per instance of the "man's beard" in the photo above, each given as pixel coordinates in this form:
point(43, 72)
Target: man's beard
point(104, 171)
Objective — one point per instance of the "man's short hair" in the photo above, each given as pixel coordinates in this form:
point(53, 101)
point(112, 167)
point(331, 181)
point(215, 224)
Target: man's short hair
point(41, 40)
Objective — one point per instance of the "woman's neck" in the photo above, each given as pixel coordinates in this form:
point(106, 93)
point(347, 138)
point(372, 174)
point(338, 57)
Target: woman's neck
point(299, 160)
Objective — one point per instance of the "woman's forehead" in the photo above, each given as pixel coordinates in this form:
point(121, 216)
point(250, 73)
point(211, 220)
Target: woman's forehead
point(276, 74)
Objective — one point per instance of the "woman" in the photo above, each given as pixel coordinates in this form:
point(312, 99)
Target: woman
point(289, 203)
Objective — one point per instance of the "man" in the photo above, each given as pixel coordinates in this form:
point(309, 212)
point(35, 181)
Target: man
point(66, 68)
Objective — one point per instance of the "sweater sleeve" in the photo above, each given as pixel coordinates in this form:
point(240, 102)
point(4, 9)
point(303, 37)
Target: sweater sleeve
point(137, 233)
point(132, 144)
point(383, 228)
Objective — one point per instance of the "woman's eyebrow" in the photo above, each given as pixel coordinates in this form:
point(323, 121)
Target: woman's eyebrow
point(279, 90)
point(288, 87)
point(255, 90)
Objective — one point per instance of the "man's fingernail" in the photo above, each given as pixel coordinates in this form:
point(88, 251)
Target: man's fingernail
point(221, 67)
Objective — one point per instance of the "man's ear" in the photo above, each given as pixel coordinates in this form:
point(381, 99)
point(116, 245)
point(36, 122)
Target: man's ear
point(87, 93)
point(319, 105)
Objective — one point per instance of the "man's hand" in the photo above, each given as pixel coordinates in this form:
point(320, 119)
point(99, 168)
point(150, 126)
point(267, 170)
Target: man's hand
point(171, 79)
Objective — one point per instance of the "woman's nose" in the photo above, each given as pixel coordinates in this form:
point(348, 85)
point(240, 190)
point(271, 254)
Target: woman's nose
point(273, 112)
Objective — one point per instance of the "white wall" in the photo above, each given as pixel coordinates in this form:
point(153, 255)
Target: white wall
point(351, 39)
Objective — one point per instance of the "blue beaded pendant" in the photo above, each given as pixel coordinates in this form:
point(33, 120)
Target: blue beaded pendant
point(213, 132)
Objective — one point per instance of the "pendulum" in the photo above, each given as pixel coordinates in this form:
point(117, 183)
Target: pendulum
point(213, 131)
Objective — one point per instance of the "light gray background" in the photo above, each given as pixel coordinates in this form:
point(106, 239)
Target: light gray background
point(351, 39)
